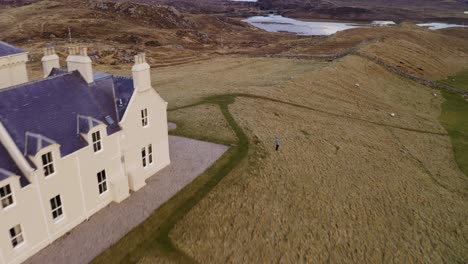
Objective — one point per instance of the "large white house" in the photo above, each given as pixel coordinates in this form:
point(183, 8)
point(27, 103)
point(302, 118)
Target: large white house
point(70, 144)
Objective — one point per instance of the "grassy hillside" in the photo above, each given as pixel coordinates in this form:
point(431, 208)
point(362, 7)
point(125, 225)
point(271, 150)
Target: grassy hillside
point(366, 172)
point(350, 183)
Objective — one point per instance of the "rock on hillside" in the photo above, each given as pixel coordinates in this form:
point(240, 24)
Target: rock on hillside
point(156, 15)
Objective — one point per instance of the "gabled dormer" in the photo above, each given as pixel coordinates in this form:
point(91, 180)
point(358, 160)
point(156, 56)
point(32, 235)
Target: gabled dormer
point(93, 131)
point(44, 153)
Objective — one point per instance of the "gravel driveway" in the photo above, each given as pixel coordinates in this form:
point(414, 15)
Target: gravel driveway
point(189, 158)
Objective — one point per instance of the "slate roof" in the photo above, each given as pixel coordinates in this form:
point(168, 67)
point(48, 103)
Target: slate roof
point(8, 167)
point(7, 49)
point(51, 107)
point(7, 163)
point(123, 88)
point(123, 93)
point(86, 123)
point(57, 71)
point(35, 142)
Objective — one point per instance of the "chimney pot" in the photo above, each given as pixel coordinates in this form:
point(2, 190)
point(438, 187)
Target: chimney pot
point(49, 61)
point(84, 51)
point(140, 58)
point(141, 73)
point(79, 60)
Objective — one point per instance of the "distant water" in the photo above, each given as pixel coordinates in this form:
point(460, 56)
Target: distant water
point(383, 23)
point(436, 26)
point(275, 23)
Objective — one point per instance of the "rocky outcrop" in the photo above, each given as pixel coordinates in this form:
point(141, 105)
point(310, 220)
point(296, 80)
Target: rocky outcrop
point(159, 16)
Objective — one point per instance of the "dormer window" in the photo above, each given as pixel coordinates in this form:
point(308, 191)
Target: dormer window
point(96, 136)
point(48, 164)
point(144, 117)
point(6, 196)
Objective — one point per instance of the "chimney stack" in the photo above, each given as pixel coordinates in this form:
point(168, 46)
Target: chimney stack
point(49, 61)
point(141, 73)
point(78, 60)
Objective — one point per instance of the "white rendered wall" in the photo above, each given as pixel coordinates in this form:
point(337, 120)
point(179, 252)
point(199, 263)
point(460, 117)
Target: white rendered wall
point(13, 70)
point(75, 178)
point(26, 211)
point(135, 136)
point(108, 159)
point(64, 182)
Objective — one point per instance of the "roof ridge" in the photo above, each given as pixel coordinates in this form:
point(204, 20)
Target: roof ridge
point(36, 81)
point(123, 77)
point(38, 137)
point(90, 121)
point(8, 50)
point(6, 172)
point(9, 45)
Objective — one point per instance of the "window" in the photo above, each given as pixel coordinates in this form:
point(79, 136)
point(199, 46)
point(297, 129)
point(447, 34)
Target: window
point(96, 141)
point(102, 181)
point(6, 197)
point(47, 164)
point(150, 154)
point(16, 236)
point(147, 155)
point(144, 117)
point(143, 156)
point(56, 205)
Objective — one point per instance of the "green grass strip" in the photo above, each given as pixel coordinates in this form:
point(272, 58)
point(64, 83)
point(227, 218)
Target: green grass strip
point(152, 237)
point(459, 81)
point(454, 118)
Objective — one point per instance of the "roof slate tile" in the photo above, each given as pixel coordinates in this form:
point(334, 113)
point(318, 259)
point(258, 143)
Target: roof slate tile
point(7, 49)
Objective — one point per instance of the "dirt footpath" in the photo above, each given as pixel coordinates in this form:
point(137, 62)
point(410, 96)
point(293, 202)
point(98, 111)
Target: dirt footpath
point(189, 158)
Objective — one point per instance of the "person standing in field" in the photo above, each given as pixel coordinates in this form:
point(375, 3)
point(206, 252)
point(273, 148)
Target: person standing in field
point(277, 143)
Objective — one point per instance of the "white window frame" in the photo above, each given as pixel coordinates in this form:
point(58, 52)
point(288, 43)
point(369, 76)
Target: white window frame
point(102, 182)
point(143, 157)
point(147, 156)
point(144, 117)
point(14, 238)
point(149, 152)
point(7, 196)
point(97, 141)
point(48, 164)
point(58, 208)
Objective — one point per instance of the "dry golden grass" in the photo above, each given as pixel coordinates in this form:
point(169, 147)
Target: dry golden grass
point(203, 122)
point(350, 184)
point(341, 189)
point(338, 191)
point(346, 186)
point(185, 84)
point(425, 53)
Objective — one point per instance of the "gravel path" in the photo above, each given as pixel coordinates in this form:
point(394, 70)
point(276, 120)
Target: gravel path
point(189, 158)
